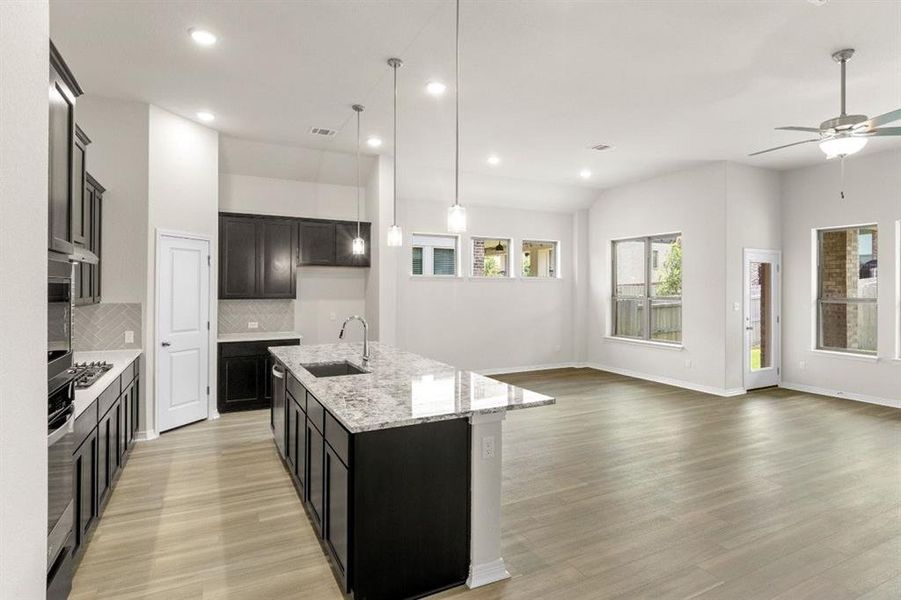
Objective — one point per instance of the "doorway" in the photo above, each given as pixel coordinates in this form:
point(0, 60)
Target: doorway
point(762, 346)
point(183, 335)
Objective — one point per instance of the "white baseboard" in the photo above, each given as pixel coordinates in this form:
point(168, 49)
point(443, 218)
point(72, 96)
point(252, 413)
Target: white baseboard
point(812, 389)
point(544, 367)
point(146, 435)
point(486, 573)
point(689, 385)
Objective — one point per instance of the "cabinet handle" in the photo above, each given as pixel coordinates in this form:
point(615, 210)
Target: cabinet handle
point(166, 344)
point(277, 372)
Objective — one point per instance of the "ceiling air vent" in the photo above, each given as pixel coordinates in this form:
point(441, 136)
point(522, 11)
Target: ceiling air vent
point(602, 147)
point(323, 131)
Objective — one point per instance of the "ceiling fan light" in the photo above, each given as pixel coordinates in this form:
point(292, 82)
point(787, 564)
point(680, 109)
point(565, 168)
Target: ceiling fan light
point(456, 219)
point(845, 145)
point(395, 236)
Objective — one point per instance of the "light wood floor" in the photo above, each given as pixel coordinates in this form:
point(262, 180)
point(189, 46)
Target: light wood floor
point(624, 489)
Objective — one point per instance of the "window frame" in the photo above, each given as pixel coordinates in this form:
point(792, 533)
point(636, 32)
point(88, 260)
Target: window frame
point(648, 298)
point(428, 258)
point(557, 261)
point(511, 263)
point(819, 301)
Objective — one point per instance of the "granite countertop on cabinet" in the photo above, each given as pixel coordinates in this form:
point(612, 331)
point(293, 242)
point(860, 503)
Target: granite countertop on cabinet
point(120, 359)
point(258, 336)
point(400, 388)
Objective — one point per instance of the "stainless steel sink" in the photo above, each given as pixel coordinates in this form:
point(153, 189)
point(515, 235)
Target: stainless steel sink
point(333, 369)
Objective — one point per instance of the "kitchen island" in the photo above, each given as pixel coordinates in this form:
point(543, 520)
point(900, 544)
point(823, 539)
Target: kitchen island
point(398, 463)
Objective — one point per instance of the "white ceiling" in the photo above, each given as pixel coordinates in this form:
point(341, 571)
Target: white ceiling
point(669, 83)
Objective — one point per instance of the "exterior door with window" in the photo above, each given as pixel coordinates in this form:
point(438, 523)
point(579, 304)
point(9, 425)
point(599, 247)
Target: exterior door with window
point(762, 318)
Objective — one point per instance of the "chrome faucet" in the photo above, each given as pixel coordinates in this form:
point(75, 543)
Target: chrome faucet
point(366, 355)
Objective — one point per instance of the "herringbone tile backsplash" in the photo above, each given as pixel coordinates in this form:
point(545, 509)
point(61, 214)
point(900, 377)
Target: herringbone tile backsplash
point(103, 326)
point(271, 315)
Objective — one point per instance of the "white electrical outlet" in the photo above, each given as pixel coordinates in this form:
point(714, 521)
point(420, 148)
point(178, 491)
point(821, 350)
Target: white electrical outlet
point(488, 449)
point(129, 337)
point(252, 325)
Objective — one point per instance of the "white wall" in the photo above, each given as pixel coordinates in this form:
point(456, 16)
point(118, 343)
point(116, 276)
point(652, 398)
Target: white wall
point(811, 201)
point(694, 203)
point(487, 324)
point(183, 196)
point(753, 220)
point(24, 60)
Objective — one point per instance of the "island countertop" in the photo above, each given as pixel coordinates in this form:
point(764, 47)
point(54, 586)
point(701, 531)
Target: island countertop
point(401, 388)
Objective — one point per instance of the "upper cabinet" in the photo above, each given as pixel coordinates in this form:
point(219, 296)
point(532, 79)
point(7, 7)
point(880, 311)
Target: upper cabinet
point(62, 180)
point(85, 225)
point(328, 243)
point(257, 257)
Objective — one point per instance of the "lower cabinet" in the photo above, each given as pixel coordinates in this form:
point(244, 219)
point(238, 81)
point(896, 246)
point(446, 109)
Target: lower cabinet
point(104, 443)
point(315, 490)
point(335, 521)
point(244, 378)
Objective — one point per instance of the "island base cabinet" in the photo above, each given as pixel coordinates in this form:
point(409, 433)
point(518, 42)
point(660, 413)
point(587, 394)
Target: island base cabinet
point(335, 529)
point(315, 490)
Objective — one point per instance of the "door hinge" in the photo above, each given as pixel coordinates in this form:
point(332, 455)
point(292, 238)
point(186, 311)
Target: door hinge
point(207, 390)
point(209, 260)
point(207, 325)
point(778, 372)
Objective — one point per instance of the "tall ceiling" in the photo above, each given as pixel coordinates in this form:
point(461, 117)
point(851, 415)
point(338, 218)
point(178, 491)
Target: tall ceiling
point(669, 84)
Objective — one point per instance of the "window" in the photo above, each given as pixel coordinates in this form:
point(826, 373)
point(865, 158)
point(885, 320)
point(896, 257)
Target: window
point(847, 289)
point(539, 259)
point(647, 288)
point(490, 257)
point(434, 254)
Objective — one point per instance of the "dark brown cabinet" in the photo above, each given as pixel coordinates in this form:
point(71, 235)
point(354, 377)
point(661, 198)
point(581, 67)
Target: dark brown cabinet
point(85, 464)
point(335, 520)
point(329, 243)
point(245, 374)
point(257, 257)
point(87, 223)
point(345, 232)
point(315, 491)
point(61, 168)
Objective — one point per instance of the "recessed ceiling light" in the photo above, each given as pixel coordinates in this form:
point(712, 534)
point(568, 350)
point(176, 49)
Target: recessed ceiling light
point(205, 116)
point(435, 88)
point(374, 141)
point(202, 37)
point(585, 174)
point(494, 160)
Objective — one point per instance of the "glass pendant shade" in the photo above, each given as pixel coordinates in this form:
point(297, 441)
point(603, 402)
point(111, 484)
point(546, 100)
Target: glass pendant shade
point(395, 236)
point(842, 146)
point(456, 219)
point(359, 246)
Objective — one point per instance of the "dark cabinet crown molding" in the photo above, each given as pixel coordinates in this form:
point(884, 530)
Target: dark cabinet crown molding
point(94, 182)
point(56, 59)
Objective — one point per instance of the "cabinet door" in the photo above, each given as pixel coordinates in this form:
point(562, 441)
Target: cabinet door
point(315, 489)
point(135, 408)
point(62, 140)
point(237, 257)
point(124, 415)
point(116, 436)
point(291, 435)
point(267, 381)
point(240, 387)
point(301, 459)
point(345, 232)
point(104, 454)
point(277, 258)
point(96, 230)
point(80, 217)
point(279, 407)
point(335, 530)
point(85, 464)
point(317, 243)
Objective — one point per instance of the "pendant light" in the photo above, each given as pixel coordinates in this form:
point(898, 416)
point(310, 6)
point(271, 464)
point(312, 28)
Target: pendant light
point(456, 214)
point(395, 233)
point(358, 246)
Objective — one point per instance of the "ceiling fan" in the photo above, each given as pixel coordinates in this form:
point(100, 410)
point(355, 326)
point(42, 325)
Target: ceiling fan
point(845, 134)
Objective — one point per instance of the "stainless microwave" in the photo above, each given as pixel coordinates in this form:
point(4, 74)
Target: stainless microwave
point(59, 315)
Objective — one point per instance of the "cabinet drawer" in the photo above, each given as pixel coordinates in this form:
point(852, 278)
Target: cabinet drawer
point(108, 397)
point(296, 389)
point(128, 375)
point(85, 424)
point(338, 438)
point(315, 413)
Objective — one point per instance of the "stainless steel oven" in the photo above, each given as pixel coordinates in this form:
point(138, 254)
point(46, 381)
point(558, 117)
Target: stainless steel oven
point(60, 474)
point(59, 315)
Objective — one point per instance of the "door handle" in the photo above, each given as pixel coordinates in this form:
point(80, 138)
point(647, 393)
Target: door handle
point(749, 328)
point(166, 344)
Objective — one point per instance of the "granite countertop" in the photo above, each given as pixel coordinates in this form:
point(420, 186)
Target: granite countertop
point(119, 359)
point(401, 388)
point(255, 336)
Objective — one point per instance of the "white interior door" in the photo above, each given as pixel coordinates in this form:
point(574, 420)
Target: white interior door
point(183, 313)
point(762, 318)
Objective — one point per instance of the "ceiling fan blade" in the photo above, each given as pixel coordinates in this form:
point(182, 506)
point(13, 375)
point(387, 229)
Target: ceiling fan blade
point(785, 146)
point(794, 128)
point(888, 117)
point(883, 131)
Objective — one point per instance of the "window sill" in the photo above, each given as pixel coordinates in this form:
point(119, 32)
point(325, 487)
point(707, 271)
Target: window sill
point(477, 278)
point(436, 277)
point(847, 355)
point(651, 343)
point(540, 278)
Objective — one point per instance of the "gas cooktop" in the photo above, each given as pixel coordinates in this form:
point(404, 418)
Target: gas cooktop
point(86, 373)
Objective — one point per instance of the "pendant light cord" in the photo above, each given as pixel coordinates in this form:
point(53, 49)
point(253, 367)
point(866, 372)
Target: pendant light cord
point(394, 222)
point(358, 170)
point(457, 114)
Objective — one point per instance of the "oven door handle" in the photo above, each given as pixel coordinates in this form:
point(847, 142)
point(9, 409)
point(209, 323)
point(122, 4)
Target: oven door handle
point(58, 433)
